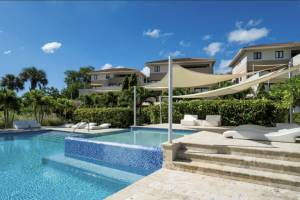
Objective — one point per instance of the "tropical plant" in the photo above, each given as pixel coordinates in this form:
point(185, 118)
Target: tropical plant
point(133, 81)
point(64, 108)
point(76, 80)
point(125, 84)
point(39, 103)
point(287, 93)
point(36, 77)
point(9, 104)
point(52, 91)
point(12, 82)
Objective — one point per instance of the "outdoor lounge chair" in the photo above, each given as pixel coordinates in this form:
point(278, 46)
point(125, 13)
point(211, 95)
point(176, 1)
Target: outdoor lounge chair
point(281, 133)
point(79, 125)
point(26, 124)
point(210, 121)
point(67, 125)
point(102, 126)
point(189, 120)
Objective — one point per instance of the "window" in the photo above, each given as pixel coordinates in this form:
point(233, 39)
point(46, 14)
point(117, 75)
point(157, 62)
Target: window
point(107, 76)
point(95, 77)
point(157, 68)
point(279, 54)
point(257, 55)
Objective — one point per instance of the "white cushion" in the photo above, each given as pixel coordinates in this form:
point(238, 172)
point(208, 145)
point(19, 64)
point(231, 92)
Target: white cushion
point(190, 117)
point(188, 122)
point(105, 125)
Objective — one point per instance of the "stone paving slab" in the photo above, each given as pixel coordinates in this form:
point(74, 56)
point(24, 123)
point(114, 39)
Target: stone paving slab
point(176, 185)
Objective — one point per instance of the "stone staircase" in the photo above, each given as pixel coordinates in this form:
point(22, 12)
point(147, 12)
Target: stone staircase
point(260, 166)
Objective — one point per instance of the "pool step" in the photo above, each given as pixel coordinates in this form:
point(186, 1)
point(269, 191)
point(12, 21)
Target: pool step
point(279, 166)
point(88, 168)
point(267, 153)
point(243, 174)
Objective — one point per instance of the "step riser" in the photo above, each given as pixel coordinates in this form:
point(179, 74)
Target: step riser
point(242, 164)
point(245, 152)
point(285, 184)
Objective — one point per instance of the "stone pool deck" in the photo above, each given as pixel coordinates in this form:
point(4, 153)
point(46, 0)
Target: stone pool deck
point(168, 184)
point(180, 184)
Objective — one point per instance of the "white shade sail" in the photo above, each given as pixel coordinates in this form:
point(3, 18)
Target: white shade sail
point(241, 86)
point(185, 78)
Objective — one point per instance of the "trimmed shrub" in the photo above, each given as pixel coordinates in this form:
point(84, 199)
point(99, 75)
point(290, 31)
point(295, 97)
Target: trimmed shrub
point(117, 117)
point(52, 121)
point(234, 112)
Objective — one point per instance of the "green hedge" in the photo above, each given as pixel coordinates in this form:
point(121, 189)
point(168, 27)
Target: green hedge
point(233, 112)
point(117, 117)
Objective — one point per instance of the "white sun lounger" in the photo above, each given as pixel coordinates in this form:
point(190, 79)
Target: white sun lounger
point(280, 133)
point(26, 124)
point(102, 126)
point(79, 125)
point(189, 120)
point(210, 121)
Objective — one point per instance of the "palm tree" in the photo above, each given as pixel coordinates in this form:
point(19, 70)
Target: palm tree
point(9, 104)
point(11, 82)
point(36, 77)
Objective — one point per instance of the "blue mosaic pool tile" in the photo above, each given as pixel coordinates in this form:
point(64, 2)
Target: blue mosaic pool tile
point(132, 157)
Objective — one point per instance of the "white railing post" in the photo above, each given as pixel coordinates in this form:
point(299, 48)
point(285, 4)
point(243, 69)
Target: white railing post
point(160, 117)
point(134, 105)
point(291, 106)
point(170, 101)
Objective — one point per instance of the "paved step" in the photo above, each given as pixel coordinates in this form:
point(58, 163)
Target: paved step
point(268, 153)
point(248, 175)
point(279, 166)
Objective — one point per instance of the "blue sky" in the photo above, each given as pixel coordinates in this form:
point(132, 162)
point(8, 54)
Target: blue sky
point(57, 36)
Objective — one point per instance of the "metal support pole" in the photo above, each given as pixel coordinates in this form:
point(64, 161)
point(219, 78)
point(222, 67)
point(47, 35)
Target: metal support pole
point(291, 106)
point(170, 101)
point(134, 105)
point(160, 117)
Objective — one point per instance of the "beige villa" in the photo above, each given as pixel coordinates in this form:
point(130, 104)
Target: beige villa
point(111, 79)
point(261, 57)
point(159, 68)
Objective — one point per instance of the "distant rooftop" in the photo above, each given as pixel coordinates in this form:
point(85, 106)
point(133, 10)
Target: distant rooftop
point(204, 60)
point(119, 70)
point(261, 47)
point(286, 44)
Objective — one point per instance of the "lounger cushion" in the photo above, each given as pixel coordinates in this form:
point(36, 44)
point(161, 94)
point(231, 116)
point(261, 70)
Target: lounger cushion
point(288, 134)
point(79, 125)
point(105, 125)
point(189, 120)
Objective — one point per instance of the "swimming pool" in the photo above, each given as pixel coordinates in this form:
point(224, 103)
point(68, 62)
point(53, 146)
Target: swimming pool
point(24, 176)
point(150, 137)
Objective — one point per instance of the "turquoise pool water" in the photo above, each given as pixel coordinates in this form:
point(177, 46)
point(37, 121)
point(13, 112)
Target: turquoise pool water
point(143, 137)
point(24, 176)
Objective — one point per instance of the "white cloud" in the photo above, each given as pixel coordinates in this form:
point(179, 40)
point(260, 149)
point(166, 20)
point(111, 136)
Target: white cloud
point(224, 66)
point(213, 48)
point(239, 24)
point(146, 71)
point(206, 37)
point(7, 52)
point(174, 54)
point(253, 22)
point(110, 66)
point(156, 33)
point(106, 66)
point(245, 36)
point(184, 44)
point(51, 47)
